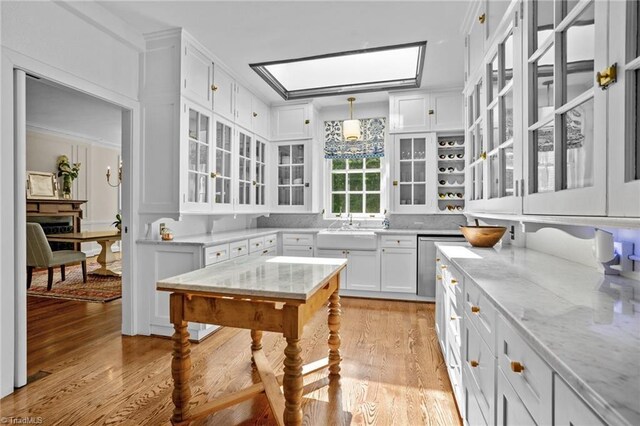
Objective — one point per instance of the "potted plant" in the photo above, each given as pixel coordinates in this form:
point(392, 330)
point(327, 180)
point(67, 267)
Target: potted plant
point(118, 222)
point(68, 172)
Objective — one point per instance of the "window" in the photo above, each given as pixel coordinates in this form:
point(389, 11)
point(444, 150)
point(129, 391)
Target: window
point(375, 69)
point(355, 186)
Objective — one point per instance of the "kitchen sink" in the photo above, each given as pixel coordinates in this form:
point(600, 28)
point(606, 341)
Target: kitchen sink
point(352, 239)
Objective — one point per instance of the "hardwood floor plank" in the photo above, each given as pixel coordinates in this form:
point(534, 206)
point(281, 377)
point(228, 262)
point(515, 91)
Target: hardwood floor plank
point(392, 369)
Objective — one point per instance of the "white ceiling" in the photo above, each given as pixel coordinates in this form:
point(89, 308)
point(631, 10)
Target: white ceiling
point(68, 111)
point(243, 32)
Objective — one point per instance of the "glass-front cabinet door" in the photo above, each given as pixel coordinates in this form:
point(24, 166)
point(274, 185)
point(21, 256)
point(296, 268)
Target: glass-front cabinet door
point(198, 142)
point(259, 180)
point(476, 147)
point(245, 143)
point(624, 110)
point(222, 173)
point(565, 110)
point(291, 176)
point(504, 118)
point(414, 181)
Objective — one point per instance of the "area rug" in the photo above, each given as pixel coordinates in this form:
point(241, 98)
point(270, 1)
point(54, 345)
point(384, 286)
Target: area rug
point(98, 288)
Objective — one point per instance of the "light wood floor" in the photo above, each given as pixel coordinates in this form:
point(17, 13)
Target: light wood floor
point(392, 373)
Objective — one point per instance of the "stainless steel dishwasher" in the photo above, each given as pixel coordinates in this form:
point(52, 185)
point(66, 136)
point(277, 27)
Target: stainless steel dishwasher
point(427, 262)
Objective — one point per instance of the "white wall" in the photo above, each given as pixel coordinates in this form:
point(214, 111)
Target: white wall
point(64, 42)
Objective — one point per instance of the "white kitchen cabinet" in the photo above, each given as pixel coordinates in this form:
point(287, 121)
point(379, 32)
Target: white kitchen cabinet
point(511, 410)
point(414, 173)
point(494, 123)
point(481, 363)
point(224, 88)
point(260, 118)
point(291, 176)
point(412, 112)
point(364, 270)
point(223, 166)
point(297, 251)
point(409, 112)
point(624, 110)
point(196, 153)
point(569, 409)
point(476, 37)
point(398, 270)
point(440, 308)
point(292, 122)
point(198, 74)
point(259, 182)
point(245, 170)
point(565, 110)
point(446, 112)
point(244, 107)
point(473, 415)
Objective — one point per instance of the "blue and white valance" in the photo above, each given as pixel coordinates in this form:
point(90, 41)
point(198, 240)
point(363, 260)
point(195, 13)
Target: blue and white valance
point(370, 144)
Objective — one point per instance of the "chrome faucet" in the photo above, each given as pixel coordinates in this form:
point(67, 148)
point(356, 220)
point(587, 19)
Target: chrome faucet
point(350, 219)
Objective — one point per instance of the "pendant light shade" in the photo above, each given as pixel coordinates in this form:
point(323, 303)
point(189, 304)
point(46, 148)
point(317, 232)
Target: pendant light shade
point(351, 127)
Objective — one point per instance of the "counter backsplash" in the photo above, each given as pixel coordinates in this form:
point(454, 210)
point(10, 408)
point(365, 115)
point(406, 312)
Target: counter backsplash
point(403, 221)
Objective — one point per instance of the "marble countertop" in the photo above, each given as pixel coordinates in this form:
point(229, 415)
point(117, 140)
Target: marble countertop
point(271, 278)
point(581, 322)
point(207, 240)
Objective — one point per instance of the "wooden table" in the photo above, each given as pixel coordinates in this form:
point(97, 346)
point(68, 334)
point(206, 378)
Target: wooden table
point(277, 294)
point(104, 238)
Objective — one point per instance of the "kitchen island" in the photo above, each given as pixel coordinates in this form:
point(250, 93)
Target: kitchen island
point(277, 294)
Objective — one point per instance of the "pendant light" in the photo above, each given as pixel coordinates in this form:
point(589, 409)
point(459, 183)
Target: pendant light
point(351, 127)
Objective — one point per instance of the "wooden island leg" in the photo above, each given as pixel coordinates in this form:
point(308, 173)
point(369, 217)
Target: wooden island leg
point(292, 383)
point(181, 361)
point(334, 334)
point(256, 343)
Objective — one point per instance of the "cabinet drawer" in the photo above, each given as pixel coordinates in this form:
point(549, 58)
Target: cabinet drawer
point(238, 248)
point(533, 382)
point(471, 411)
point(569, 409)
point(406, 241)
point(297, 239)
point(271, 240)
point(480, 363)
point(256, 244)
point(481, 313)
point(216, 254)
point(511, 410)
point(455, 371)
point(454, 283)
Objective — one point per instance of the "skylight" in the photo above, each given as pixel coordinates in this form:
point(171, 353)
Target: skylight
point(366, 70)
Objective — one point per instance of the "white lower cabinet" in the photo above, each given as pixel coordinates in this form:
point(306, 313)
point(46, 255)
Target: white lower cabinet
point(569, 409)
point(511, 410)
point(297, 251)
point(363, 268)
point(399, 270)
point(496, 376)
point(480, 363)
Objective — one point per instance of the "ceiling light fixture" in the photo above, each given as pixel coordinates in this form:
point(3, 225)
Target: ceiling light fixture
point(351, 127)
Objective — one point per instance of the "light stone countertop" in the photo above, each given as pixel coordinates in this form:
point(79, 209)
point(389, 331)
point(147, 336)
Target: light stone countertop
point(271, 278)
point(207, 240)
point(581, 322)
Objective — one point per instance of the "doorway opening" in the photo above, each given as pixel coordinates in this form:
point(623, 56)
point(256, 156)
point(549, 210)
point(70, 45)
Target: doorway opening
point(67, 144)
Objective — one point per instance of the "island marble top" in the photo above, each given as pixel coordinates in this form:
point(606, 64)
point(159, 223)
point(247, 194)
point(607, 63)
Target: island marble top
point(580, 321)
point(265, 277)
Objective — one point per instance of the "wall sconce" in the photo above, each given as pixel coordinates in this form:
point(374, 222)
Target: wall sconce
point(119, 176)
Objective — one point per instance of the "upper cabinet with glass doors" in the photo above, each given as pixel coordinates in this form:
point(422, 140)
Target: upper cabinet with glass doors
point(291, 176)
point(565, 111)
point(198, 144)
point(624, 110)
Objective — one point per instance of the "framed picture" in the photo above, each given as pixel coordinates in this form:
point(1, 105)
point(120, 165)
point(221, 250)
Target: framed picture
point(42, 185)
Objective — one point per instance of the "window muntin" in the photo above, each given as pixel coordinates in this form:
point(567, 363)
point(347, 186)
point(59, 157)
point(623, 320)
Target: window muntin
point(356, 186)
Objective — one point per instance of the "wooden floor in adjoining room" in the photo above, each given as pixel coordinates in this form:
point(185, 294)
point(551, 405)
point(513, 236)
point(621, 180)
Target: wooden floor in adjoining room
point(392, 372)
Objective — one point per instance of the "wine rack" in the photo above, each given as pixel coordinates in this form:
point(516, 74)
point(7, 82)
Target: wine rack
point(451, 161)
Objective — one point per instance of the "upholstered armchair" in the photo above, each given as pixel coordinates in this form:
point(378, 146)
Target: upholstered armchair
point(40, 255)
